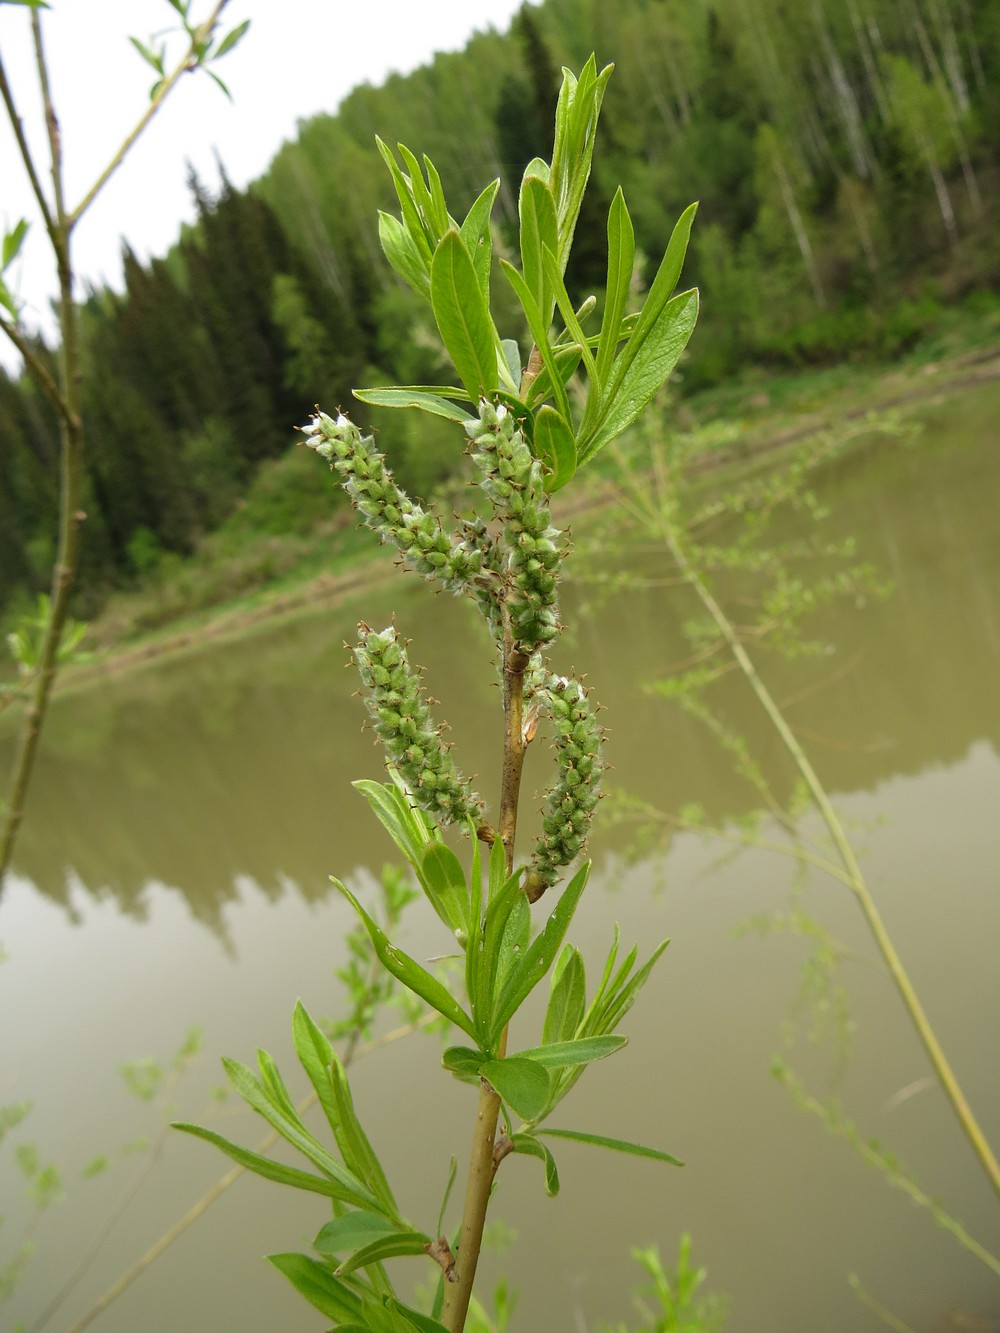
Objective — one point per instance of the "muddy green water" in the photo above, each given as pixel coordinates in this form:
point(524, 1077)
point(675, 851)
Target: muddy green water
point(173, 871)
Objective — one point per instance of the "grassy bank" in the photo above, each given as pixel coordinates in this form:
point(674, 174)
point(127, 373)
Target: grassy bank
point(294, 543)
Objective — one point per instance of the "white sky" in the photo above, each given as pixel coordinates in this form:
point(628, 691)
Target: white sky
point(300, 57)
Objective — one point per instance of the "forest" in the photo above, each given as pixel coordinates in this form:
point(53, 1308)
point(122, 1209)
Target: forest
point(846, 157)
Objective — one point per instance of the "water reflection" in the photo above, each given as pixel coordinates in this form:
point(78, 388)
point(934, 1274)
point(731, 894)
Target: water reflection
point(236, 762)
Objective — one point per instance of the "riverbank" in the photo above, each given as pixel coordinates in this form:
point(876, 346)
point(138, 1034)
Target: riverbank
point(235, 584)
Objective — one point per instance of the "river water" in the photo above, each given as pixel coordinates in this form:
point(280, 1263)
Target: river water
point(173, 872)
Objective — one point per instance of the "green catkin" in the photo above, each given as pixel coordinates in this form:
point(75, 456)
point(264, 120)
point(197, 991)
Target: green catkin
point(396, 705)
point(453, 561)
point(513, 483)
point(572, 799)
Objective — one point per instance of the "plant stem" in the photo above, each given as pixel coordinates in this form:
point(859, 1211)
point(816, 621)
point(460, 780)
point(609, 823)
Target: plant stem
point(482, 1166)
point(855, 877)
point(188, 62)
point(71, 515)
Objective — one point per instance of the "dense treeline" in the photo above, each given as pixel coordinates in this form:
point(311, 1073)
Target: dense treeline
point(846, 154)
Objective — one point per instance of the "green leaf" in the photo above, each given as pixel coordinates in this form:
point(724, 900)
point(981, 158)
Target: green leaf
point(386, 1247)
point(567, 997)
point(426, 402)
point(622, 994)
point(231, 38)
point(351, 1190)
point(523, 1084)
point(656, 351)
point(514, 940)
point(409, 972)
point(500, 906)
point(263, 1166)
point(412, 221)
point(216, 80)
point(621, 257)
point(573, 325)
point(351, 1231)
point(475, 232)
point(539, 231)
point(577, 112)
point(540, 334)
point(531, 1147)
point(329, 1078)
point(404, 255)
point(616, 1145)
point(463, 1062)
point(404, 825)
point(580, 1051)
point(565, 359)
point(435, 223)
point(554, 447)
point(438, 210)
point(6, 299)
point(512, 355)
point(443, 879)
point(462, 316)
point(321, 1289)
point(151, 57)
point(537, 960)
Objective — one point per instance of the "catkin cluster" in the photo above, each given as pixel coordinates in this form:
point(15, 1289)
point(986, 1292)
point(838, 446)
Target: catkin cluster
point(572, 799)
point(416, 532)
point(396, 704)
point(512, 480)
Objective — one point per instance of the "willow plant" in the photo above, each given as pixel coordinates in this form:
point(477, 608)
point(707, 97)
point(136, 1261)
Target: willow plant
point(64, 389)
point(527, 440)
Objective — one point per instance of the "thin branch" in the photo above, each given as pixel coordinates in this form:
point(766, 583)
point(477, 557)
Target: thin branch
point(25, 151)
point(188, 62)
point(37, 367)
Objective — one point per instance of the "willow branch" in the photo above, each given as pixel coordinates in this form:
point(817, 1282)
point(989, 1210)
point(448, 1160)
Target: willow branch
point(482, 1162)
point(37, 367)
point(189, 61)
point(25, 151)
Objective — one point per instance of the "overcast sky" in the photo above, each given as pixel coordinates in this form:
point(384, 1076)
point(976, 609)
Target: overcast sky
point(300, 57)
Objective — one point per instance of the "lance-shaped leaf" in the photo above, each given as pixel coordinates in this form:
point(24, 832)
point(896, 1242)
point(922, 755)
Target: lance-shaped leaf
point(616, 1145)
point(484, 964)
point(412, 221)
point(579, 1051)
point(430, 204)
point(329, 1078)
point(539, 231)
point(231, 38)
point(264, 1166)
point(621, 258)
point(538, 958)
point(321, 1289)
point(12, 242)
point(567, 997)
point(385, 1247)
point(293, 1131)
point(443, 879)
point(523, 1084)
point(423, 399)
point(409, 972)
point(655, 352)
point(554, 447)
point(478, 237)
point(353, 1230)
point(532, 1147)
point(404, 254)
point(405, 825)
point(540, 333)
point(462, 316)
point(577, 112)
